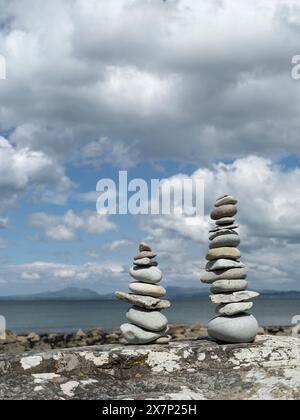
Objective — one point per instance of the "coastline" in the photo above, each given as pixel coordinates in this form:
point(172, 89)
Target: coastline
point(98, 336)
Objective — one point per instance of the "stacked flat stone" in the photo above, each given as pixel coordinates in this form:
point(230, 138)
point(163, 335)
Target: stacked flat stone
point(227, 276)
point(147, 323)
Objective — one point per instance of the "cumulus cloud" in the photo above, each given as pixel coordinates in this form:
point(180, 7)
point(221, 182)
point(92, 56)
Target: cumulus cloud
point(68, 226)
point(163, 80)
point(22, 169)
point(268, 216)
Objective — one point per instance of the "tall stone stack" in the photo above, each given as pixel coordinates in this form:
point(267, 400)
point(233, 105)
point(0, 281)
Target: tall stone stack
point(147, 323)
point(227, 276)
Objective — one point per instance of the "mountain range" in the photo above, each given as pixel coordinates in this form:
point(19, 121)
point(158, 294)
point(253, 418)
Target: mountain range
point(173, 293)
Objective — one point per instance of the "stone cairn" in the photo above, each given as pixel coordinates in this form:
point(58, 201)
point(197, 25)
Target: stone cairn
point(147, 323)
point(227, 275)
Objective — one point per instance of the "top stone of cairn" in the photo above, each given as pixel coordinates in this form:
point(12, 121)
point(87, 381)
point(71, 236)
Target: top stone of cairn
point(226, 200)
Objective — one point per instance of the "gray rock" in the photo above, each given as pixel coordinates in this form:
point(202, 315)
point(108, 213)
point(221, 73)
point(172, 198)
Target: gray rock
point(231, 240)
point(222, 231)
point(234, 297)
point(225, 200)
point(145, 254)
point(231, 309)
point(145, 247)
point(146, 302)
point(225, 221)
point(149, 320)
point(147, 289)
point(237, 329)
point(225, 286)
point(224, 252)
point(223, 264)
point(163, 340)
point(151, 275)
point(219, 229)
point(227, 274)
point(145, 262)
point(223, 211)
point(137, 335)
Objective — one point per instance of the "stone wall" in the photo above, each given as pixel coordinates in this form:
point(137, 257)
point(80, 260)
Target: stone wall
point(187, 370)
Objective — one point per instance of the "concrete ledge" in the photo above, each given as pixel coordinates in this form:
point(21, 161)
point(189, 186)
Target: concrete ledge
point(200, 369)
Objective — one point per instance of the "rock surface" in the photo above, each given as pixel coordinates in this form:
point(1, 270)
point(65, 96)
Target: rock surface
point(269, 369)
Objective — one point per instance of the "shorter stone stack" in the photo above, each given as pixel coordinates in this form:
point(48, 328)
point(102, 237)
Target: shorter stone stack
point(227, 276)
point(147, 323)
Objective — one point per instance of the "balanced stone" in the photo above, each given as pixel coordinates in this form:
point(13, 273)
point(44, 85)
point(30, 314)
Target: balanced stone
point(145, 262)
point(225, 200)
point(234, 297)
point(144, 247)
point(236, 329)
point(225, 252)
point(231, 309)
point(145, 254)
point(225, 221)
point(223, 211)
point(224, 286)
point(163, 340)
point(146, 302)
point(147, 289)
point(219, 229)
point(151, 275)
point(220, 232)
point(231, 240)
point(136, 335)
point(149, 320)
point(228, 274)
point(223, 264)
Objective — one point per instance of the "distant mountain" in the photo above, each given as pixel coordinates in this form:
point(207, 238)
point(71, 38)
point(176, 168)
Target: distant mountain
point(69, 293)
point(173, 293)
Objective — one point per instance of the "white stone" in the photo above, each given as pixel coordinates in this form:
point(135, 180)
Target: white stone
point(224, 286)
point(146, 302)
point(137, 335)
point(234, 297)
point(149, 320)
point(151, 275)
point(231, 309)
point(223, 264)
point(236, 329)
point(147, 289)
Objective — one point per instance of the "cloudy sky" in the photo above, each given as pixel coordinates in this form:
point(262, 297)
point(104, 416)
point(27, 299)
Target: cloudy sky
point(161, 89)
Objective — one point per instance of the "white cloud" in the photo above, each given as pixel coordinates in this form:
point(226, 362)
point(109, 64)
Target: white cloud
point(68, 226)
point(268, 215)
point(22, 168)
point(180, 79)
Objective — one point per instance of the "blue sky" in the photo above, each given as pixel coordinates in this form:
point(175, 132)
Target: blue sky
point(159, 89)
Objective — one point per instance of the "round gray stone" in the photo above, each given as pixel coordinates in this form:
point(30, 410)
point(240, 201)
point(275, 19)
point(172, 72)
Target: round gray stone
point(224, 252)
point(225, 221)
point(137, 335)
point(227, 274)
point(226, 286)
point(147, 289)
point(223, 211)
point(225, 241)
point(151, 275)
point(234, 308)
point(237, 329)
point(149, 320)
point(225, 200)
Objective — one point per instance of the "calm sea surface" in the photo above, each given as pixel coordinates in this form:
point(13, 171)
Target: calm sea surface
point(67, 316)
